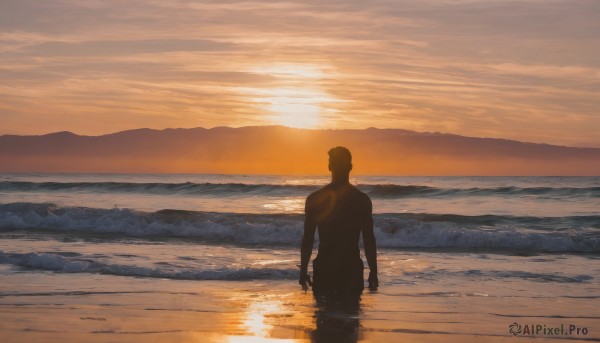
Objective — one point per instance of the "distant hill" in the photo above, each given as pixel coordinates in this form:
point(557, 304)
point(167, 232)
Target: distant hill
point(282, 150)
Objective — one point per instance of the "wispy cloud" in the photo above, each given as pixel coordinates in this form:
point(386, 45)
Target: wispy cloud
point(526, 69)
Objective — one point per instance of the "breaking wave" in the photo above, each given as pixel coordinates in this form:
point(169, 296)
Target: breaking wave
point(576, 234)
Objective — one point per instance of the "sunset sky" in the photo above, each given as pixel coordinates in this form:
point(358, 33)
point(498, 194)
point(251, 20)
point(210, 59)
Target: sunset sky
point(525, 69)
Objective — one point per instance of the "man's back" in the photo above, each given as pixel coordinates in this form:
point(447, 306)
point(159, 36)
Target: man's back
point(340, 213)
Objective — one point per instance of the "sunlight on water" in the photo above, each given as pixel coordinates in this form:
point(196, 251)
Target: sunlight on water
point(295, 205)
point(253, 339)
point(265, 318)
point(255, 321)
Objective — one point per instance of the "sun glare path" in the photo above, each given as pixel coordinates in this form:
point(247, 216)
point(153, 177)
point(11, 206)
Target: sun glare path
point(256, 321)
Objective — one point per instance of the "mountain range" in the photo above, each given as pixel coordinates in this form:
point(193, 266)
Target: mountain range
point(283, 150)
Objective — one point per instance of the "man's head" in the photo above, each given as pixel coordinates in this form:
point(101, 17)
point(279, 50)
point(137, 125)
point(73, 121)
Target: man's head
point(340, 160)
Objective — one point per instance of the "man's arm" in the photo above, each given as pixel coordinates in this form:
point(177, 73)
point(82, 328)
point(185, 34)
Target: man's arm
point(308, 239)
point(370, 246)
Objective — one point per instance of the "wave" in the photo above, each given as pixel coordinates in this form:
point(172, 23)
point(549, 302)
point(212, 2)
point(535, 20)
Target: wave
point(187, 188)
point(578, 234)
point(240, 189)
point(59, 263)
point(392, 191)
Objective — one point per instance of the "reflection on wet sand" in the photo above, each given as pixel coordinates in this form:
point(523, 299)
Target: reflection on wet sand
point(260, 317)
point(297, 317)
point(337, 318)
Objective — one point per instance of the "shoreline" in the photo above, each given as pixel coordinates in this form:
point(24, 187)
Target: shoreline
point(412, 304)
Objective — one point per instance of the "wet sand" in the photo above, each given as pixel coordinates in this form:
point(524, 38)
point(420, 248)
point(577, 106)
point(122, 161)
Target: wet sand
point(61, 307)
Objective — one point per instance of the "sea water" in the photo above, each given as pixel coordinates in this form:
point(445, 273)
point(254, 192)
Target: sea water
point(525, 215)
point(479, 252)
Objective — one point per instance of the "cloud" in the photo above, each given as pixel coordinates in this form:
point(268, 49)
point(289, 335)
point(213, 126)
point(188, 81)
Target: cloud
point(525, 69)
point(122, 47)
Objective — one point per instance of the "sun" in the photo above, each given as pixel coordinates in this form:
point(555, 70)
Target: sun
point(298, 101)
point(294, 114)
point(293, 106)
point(297, 107)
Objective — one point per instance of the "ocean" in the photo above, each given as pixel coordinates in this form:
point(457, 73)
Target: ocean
point(439, 239)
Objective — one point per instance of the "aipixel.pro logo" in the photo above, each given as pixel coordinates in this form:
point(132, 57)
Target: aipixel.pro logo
point(517, 329)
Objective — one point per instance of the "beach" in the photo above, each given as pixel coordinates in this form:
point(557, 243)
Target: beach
point(220, 263)
point(424, 297)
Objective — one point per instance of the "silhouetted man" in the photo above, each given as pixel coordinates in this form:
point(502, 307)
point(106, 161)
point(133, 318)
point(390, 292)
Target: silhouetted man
point(340, 212)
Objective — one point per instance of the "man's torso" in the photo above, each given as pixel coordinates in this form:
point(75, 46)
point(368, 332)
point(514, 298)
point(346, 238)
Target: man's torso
point(340, 212)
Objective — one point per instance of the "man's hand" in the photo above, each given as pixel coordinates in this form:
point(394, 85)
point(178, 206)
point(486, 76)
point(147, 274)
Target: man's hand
point(373, 281)
point(305, 281)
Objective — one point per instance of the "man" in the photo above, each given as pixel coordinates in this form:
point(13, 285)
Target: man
point(341, 213)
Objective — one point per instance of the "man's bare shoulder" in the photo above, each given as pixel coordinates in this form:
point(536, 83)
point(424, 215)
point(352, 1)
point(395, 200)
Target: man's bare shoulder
point(319, 193)
point(360, 195)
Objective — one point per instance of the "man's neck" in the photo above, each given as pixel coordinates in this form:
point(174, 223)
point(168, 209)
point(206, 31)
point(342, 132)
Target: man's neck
point(340, 179)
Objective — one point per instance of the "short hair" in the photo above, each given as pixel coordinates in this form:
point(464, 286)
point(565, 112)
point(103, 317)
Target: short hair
point(340, 157)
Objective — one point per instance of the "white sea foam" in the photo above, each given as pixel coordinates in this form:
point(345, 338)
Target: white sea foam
point(392, 231)
point(59, 263)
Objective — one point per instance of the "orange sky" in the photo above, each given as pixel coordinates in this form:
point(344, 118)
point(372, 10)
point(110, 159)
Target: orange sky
point(525, 70)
